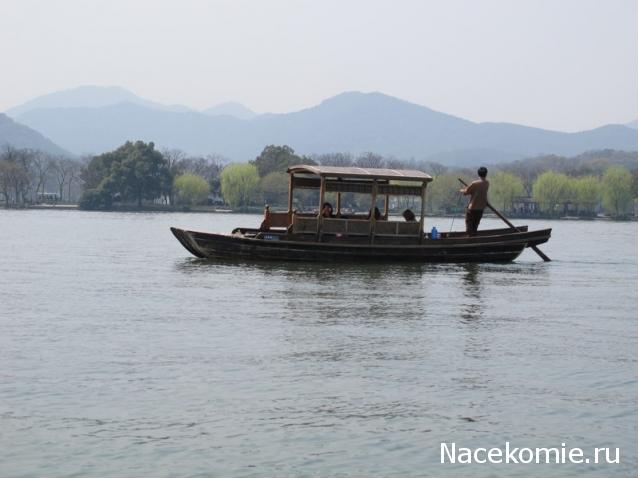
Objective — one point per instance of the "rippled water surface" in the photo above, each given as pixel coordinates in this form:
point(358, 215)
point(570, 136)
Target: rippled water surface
point(121, 355)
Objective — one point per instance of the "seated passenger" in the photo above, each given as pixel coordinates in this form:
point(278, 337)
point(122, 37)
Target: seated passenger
point(409, 216)
point(377, 214)
point(326, 210)
point(266, 223)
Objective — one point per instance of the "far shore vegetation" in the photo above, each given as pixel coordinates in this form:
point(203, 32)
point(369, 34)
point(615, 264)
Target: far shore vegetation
point(137, 176)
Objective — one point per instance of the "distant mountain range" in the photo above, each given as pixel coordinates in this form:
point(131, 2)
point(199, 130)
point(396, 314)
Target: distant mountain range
point(20, 136)
point(100, 96)
point(350, 122)
point(89, 97)
point(633, 124)
point(230, 108)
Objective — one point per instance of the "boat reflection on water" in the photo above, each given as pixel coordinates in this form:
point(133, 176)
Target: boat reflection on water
point(329, 293)
point(472, 307)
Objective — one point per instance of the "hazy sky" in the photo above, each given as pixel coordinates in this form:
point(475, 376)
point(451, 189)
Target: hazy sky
point(558, 64)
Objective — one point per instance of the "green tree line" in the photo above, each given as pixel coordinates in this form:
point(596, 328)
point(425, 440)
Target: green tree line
point(552, 193)
point(138, 173)
point(613, 190)
point(27, 175)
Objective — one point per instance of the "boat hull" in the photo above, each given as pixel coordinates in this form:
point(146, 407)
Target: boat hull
point(501, 247)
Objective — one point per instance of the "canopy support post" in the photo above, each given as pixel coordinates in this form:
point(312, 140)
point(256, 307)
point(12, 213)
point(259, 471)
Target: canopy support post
point(386, 207)
point(373, 219)
point(422, 221)
point(322, 196)
point(291, 186)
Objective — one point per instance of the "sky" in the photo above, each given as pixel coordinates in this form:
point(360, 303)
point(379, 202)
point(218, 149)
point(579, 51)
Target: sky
point(567, 65)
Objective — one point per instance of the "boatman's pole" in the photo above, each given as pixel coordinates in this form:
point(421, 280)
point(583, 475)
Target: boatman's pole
point(536, 249)
point(422, 220)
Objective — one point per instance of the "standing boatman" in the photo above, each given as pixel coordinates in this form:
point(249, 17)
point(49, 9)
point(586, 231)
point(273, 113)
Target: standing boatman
point(477, 191)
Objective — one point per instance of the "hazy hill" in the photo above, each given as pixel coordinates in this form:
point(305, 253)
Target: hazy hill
point(20, 136)
point(350, 122)
point(90, 97)
point(230, 108)
point(591, 162)
point(95, 130)
point(633, 124)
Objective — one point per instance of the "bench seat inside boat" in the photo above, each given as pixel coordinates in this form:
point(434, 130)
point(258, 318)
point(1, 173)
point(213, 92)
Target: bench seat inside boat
point(354, 227)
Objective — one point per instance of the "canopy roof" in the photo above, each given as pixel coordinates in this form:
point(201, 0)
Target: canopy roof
point(360, 173)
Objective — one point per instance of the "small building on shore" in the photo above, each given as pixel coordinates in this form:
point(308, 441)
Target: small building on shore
point(525, 206)
point(48, 198)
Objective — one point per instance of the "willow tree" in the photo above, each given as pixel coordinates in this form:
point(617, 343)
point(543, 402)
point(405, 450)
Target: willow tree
point(240, 184)
point(504, 189)
point(551, 189)
point(191, 188)
point(443, 193)
point(587, 192)
point(617, 190)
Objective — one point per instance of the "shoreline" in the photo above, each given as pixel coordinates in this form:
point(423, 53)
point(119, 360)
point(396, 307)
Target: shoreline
point(253, 210)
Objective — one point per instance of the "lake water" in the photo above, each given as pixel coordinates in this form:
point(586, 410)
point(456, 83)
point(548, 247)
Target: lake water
point(122, 355)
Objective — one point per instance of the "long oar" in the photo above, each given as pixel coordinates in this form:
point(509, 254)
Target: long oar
point(535, 249)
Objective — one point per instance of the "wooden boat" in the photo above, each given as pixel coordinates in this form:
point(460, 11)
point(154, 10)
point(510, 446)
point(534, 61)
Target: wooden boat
point(293, 236)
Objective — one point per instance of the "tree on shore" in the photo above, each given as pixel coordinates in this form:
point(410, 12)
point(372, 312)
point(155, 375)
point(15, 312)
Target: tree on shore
point(15, 175)
point(42, 165)
point(13, 182)
point(587, 192)
point(617, 190)
point(143, 173)
point(504, 189)
point(134, 171)
point(334, 159)
point(274, 188)
point(443, 193)
point(278, 159)
point(65, 172)
point(239, 184)
point(550, 190)
point(208, 167)
point(369, 160)
point(25, 175)
point(191, 189)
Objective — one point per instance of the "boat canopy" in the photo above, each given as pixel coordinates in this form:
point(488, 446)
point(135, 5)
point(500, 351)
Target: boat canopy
point(376, 182)
point(361, 173)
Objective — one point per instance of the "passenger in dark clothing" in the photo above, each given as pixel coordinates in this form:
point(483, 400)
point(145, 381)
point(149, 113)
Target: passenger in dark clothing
point(377, 213)
point(326, 210)
point(408, 215)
